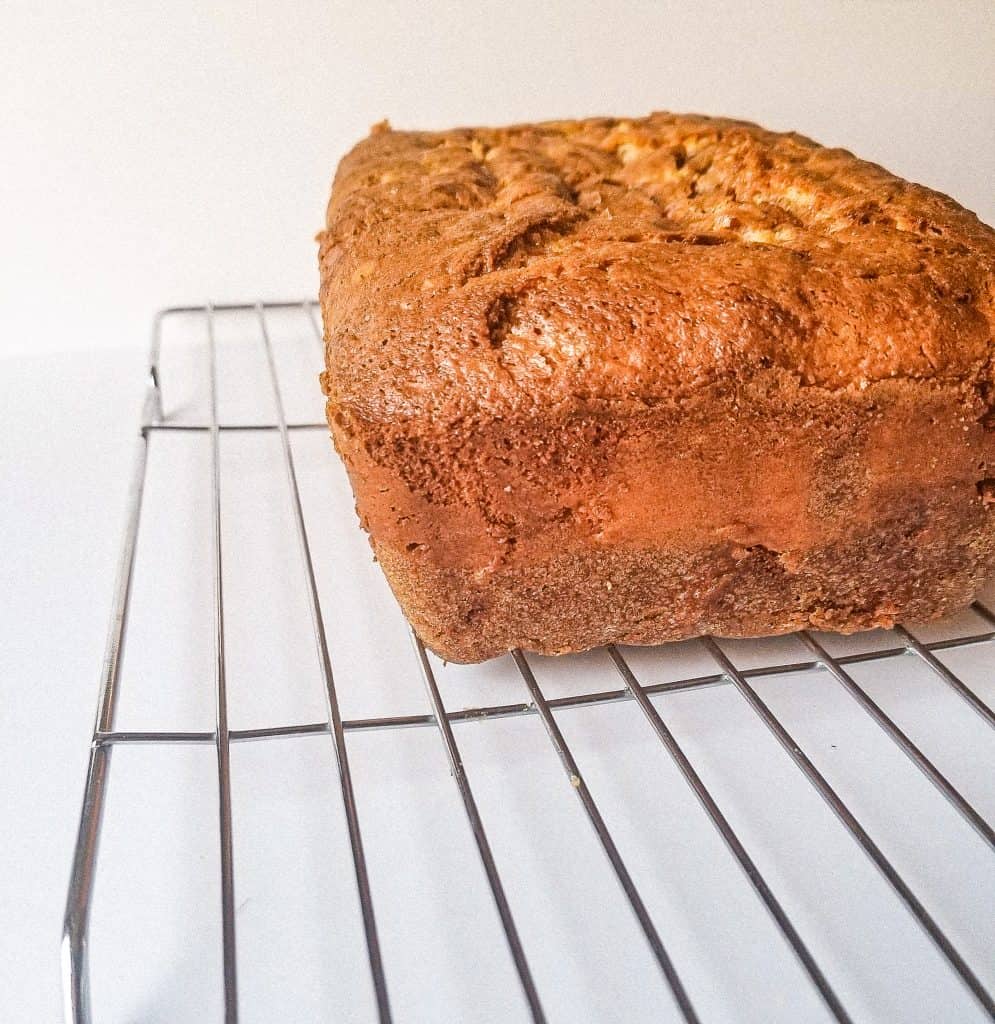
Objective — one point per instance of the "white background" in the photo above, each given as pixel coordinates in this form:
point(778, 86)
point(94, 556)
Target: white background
point(155, 153)
point(160, 153)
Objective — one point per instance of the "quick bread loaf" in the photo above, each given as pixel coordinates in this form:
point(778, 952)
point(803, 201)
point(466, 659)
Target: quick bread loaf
point(628, 381)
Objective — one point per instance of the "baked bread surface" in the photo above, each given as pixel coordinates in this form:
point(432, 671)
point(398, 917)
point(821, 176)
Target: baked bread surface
point(636, 380)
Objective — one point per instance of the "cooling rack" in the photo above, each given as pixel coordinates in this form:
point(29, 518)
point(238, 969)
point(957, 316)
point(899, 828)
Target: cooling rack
point(794, 829)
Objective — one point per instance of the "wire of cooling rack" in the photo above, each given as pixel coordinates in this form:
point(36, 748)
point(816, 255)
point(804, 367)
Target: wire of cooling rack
point(105, 737)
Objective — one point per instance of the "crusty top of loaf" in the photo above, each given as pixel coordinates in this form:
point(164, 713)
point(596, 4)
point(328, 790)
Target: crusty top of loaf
point(499, 270)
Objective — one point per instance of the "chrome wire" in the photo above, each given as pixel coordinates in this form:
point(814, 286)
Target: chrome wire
point(105, 736)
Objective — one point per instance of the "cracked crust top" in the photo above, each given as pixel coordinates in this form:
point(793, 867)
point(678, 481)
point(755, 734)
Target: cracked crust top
point(494, 271)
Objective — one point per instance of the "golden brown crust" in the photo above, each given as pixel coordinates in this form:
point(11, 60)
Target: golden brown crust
point(655, 343)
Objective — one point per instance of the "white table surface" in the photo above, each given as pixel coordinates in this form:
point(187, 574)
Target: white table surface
point(155, 928)
point(67, 426)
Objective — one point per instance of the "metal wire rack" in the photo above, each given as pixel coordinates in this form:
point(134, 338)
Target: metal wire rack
point(840, 668)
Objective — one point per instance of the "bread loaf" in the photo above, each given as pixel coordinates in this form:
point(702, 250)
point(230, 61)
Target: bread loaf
point(627, 381)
